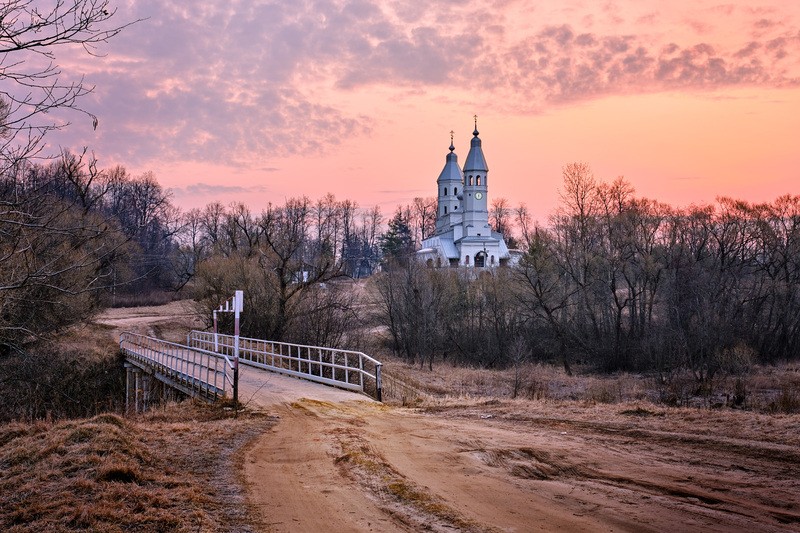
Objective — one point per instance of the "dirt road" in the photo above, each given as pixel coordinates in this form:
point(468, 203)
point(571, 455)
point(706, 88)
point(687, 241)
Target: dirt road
point(339, 462)
point(515, 466)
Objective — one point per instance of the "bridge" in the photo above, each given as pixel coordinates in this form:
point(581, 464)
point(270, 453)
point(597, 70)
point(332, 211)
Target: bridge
point(207, 366)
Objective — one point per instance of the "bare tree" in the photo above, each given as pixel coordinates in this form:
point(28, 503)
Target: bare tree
point(523, 219)
point(369, 235)
point(288, 257)
point(499, 215)
point(57, 255)
point(33, 84)
point(415, 303)
point(423, 220)
point(286, 252)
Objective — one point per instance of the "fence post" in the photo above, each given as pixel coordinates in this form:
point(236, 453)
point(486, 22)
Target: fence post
point(216, 342)
point(238, 302)
point(378, 385)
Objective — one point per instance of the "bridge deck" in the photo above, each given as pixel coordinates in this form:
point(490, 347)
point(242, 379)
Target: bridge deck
point(195, 372)
point(203, 373)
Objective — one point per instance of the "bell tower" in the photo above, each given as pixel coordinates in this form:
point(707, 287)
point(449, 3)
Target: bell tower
point(476, 213)
point(449, 184)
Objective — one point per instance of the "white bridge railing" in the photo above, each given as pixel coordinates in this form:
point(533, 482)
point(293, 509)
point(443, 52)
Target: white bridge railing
point(347, 369)
point(196, 371)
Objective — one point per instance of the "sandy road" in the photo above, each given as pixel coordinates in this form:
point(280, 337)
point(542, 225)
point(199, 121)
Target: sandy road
point(337, 462)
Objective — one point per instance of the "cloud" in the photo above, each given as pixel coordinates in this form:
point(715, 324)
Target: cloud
point(205, 189)
point(214, 84)
point(401, 191)
point(556, 65)
point(242, 83)
point(763, 24)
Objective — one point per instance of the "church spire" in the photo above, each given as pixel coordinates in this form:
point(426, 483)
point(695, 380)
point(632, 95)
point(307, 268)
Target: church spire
point(475, 161)
point(448, 184)
point(451, 171)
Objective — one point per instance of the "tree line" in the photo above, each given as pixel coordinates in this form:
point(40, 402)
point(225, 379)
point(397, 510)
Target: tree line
point(72, 236)
point(613, 280)
point(617, 282)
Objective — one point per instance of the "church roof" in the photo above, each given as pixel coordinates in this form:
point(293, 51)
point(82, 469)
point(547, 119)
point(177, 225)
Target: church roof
point(441, 243)
point(451, 170)
point(475, 160)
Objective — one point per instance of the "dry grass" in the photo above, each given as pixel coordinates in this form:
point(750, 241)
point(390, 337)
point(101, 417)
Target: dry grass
point(171, 470)
point(533, 381)
point(765, 389)
point(80, 375)
point(170, 322)
point(139, 299)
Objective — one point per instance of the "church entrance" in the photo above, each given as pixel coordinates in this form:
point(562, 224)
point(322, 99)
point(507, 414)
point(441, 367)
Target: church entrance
point(480, 260)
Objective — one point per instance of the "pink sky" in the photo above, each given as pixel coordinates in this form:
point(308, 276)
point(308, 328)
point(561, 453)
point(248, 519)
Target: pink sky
point(258, 101)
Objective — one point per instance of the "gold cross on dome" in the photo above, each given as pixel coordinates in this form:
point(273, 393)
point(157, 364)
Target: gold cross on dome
point(451, 136)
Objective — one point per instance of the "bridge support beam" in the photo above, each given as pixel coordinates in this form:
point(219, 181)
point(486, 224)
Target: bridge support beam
point(130, 387)
point(137, 389)
point(145, 391)
point(146, 387)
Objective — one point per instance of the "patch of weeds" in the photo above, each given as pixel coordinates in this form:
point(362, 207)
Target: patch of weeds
point(83, 434)
point(640, 411)
point(119, 471)
point(536, 390)
point(600, 393)
point(160, 473)
point(308, 405)
point(787, 402)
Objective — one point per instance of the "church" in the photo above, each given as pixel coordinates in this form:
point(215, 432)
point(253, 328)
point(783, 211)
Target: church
point(463, 236)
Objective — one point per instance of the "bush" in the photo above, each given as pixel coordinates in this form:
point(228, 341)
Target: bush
point(788, 400)
point(52, 382)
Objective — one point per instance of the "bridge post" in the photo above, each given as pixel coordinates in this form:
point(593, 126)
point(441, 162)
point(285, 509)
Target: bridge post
point(216, 338)
point(238, 302)
point(146, 382)
point(128, 372)
point(378, 383)
point(236, 309)
point(137, 396)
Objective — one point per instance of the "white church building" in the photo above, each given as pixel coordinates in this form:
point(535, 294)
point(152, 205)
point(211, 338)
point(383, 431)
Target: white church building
point(463, 236)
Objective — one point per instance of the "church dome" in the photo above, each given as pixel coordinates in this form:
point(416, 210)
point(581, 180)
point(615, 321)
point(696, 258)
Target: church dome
point(475, 161)
point(451, 170)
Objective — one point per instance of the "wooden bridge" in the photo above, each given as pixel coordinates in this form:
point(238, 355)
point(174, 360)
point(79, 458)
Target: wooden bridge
point(207, 366)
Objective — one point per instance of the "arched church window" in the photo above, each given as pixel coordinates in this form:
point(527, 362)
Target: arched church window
point(492, 259)
point(478, 179)
point(445, 210)
point(470, 180)
point(466, 260)
point(445, 191)
point(455, 191)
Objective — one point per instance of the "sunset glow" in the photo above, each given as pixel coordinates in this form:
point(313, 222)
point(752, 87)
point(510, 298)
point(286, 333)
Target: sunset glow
point(259, 101)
